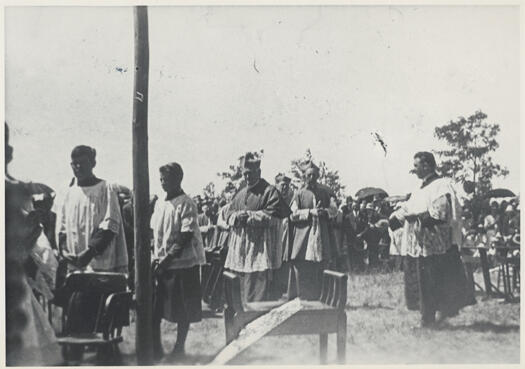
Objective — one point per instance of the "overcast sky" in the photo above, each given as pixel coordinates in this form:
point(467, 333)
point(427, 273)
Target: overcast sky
point(224, 80)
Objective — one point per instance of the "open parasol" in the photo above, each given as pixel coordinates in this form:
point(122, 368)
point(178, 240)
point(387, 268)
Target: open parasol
point(500, 192)
point(123, 190)
point(39, 188)
point(370, 191)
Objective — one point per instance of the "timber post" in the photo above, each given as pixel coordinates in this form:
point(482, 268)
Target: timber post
point(143, 284)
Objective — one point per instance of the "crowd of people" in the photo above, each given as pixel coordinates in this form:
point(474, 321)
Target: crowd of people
point(277, 238)
point(492, 222)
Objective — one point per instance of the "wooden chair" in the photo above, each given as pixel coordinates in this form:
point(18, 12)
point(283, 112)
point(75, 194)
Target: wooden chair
point(327, 315)
point(505, 262)
point(472, 263)
point(112, 314)
point(508, 269)
point(212, 291)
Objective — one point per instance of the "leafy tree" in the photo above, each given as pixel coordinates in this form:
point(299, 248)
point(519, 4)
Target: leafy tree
point(233, 175)
point(471, 141)
point(327, 176)
point(209, 191)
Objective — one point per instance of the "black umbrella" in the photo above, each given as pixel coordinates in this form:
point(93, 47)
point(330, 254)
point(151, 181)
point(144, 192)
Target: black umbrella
point(370, 191)
point(39, 188)
point(500, 192)
point(123, 190)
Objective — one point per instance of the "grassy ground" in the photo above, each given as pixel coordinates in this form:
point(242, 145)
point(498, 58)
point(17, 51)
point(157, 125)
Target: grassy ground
point(379, 332)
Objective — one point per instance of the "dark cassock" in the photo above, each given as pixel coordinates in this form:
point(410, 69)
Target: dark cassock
point(282, 183)
point(254, 252)
point(313, 245)
point(344, 229)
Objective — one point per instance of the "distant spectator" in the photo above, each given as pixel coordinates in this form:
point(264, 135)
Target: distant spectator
point(491, 223)
point(372, 235)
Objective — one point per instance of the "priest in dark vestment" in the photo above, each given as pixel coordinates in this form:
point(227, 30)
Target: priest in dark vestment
point(254, 252)
point(313, 244)
point(282, 182)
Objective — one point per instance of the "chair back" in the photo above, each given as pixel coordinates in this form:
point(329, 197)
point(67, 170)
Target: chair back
point(232, 291)
point(86, 295)
point(103, 283)
point(115, 315)
point(333, 292)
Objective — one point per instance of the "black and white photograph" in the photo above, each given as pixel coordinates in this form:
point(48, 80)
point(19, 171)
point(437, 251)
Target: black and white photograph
point(262, 184)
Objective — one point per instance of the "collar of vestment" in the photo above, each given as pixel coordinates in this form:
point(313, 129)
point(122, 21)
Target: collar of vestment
point(429, 179)
point(171, 196)
point(253, 186)
point(89, 182)
point(258, 187)
point(312, 186)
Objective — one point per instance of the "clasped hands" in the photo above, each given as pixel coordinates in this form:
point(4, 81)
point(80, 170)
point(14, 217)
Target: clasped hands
point(245, 218)
point(159, 266)
point(80, 260)
point(318, 211)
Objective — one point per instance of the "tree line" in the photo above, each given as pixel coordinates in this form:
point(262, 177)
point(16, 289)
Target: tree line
point(467, 158)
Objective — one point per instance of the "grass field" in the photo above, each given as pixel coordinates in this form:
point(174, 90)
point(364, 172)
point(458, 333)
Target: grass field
point(380, 331)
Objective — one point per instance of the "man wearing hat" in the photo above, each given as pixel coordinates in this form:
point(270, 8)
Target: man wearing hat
point(313, 237)
point(254, 252)
point(282, 182)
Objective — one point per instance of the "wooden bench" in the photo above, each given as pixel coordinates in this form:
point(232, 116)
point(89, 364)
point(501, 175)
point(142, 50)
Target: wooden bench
point(112, 314)
point(327, 315)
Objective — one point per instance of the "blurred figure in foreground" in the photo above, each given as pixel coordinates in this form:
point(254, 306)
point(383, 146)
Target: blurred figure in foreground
point(30, 339)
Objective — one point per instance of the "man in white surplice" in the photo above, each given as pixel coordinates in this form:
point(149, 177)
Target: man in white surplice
point(91, 233)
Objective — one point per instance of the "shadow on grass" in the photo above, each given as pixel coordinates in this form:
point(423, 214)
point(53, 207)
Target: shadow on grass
point(366, 306)
point(239, 360)
point(188, 360)
point(483, 327)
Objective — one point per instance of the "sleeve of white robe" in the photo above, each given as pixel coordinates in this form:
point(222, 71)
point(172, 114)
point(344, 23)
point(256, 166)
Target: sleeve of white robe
point(298, 214)
point(112, 218)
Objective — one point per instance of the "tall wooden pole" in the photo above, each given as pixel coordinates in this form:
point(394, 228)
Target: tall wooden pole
point(143, 286)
